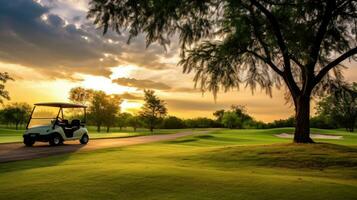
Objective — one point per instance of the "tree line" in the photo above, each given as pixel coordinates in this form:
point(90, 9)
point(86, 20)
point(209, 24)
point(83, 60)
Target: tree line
point(338, 110)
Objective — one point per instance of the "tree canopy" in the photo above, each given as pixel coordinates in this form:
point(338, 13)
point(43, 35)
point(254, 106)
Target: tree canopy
point(230, 43)
point(153, 110)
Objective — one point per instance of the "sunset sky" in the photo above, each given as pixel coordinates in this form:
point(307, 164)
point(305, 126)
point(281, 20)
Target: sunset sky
point(49, 47)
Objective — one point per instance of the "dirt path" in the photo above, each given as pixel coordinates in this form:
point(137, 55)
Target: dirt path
point(17, 151)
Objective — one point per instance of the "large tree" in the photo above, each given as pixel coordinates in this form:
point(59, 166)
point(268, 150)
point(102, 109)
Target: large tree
point(264, 43)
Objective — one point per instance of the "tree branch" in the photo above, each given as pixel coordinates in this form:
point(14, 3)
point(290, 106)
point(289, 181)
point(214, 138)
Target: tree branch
point(296, 61)
point(334, 63)
point(315, 49)
point(275, 26)
point(268, 62)
point(257, 34)
point(289, 79)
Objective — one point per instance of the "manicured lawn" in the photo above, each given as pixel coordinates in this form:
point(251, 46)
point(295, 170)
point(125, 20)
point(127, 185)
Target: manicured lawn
point(12, 135)
point(228, 164)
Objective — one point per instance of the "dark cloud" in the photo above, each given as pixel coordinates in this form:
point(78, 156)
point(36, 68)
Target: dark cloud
point(142, 84)
point(59, 48)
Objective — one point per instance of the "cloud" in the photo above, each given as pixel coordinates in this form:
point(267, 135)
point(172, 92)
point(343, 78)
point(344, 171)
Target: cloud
point(193, 105)
point(59, 42)
point(130, 96)
point(186, 90)
point(141, 84)
point(149, 84)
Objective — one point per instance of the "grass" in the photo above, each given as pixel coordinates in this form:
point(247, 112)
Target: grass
point(11, 135)
point(225, 164)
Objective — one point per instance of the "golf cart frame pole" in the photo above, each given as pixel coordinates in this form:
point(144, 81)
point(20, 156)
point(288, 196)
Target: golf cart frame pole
point(28, 123)
point(59, 111)
point(85, 115)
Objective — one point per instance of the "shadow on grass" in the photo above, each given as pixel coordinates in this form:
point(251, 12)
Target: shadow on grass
point(11, 154)
point(182, 141)
point(205, 137)
point(295, 156)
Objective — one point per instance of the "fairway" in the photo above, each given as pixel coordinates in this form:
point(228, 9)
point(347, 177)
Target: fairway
point(225, 164)
point(9, 135)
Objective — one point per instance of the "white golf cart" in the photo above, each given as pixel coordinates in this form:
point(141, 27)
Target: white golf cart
point(48, 124)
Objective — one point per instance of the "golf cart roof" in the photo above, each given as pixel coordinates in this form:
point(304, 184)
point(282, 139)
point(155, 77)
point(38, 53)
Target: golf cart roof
point(61, 105)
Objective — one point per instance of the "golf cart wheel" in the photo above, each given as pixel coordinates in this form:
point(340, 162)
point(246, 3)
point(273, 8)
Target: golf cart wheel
point(84, 139)
point(55, 140)
point(29, 142)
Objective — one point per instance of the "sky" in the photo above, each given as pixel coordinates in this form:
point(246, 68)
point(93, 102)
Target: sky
point(49, 47)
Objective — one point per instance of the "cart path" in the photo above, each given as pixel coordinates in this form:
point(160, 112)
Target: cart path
point(17, 151)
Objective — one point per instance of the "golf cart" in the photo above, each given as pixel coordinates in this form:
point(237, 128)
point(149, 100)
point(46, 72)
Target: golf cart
point(47, 123)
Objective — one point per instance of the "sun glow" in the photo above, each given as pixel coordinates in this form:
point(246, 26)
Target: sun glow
point(104, 84)
point(130, 106)
point(122, 71)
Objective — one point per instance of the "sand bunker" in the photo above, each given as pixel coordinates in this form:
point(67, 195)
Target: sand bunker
point(314, 136)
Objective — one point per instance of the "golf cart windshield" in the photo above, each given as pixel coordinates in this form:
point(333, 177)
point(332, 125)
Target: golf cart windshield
point(45, 114)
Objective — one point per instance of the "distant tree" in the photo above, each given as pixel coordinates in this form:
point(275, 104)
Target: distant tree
point(153, 110)
point(201, 122)
point(237, 117)
point(231, 120)
point(135, 121)
point(289, 122)
point(97, 108)
point(16, 113)
point(111, 110)
point(219, 115)
point(254, 42)
point(324, 122)
point(80, 95)
point(173, 122)
point(241, 112)
point(4, 77)
point(122, 119)
point(341, 106)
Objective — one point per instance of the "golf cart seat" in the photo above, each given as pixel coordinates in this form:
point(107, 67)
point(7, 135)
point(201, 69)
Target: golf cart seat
point(69, 129)
point(76, 123)
point(64, 122)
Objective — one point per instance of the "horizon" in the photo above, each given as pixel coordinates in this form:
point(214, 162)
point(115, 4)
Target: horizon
point(56, 49)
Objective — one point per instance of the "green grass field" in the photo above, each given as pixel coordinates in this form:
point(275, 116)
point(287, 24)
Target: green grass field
point(225, 164)
point(11, 135)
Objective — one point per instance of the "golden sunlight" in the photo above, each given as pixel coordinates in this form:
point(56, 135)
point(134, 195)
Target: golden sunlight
point(124, 71)
point(104, 84)
point(130, 106)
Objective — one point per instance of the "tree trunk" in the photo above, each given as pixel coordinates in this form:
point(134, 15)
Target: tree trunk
point(108, 128)
point(302, 116)
point(98, 128)
point(17, 126)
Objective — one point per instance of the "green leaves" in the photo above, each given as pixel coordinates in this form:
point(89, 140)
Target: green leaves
point(4, 77)
point(153, 110)
point(232, 42)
